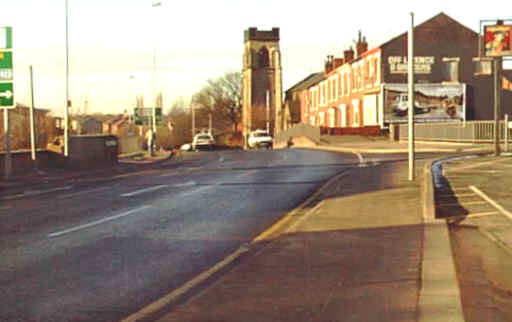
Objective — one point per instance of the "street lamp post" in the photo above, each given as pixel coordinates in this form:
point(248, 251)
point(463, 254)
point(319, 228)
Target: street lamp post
point(154, 5)
point(66, 109)
point(410, 111)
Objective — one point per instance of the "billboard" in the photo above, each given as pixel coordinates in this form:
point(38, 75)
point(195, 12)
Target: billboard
point(432, 102)
point(498, 40)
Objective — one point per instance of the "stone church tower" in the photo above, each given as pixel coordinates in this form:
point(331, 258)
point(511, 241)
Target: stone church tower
point(261, 75)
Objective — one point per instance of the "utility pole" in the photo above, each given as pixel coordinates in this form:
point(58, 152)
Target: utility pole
point(268, 111)
point(193, 121)
point(7, 142)
point(410, 62)
point(497, 102)
point(32, 125)
point(210, 123)
point(154, 5)
point(66, 112)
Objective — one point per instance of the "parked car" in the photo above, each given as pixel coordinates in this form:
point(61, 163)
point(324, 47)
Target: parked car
point(401, 105)
point(203, 141)
point(186, 147)
point(259, 138)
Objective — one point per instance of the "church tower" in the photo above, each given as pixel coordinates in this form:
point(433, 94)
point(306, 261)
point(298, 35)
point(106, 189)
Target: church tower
point(262, 81)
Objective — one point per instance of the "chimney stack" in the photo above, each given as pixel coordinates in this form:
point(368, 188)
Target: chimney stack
point(348, 55)
point(329, 63)
point(338, 62)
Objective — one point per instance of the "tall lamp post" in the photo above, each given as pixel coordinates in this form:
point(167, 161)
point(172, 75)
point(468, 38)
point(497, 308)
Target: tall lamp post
point(410, 61)
point(66, 110)
point(154, 5)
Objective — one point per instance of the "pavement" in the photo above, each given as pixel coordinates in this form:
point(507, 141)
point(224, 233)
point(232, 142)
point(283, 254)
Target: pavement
point(377, 252)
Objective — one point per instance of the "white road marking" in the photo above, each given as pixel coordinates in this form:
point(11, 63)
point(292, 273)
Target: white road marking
point(36, 192)
point(492, 202)
point(138, 192)
point(170, 174)
point(483, 214)
point(97, 222)
point(82, 192)
point(185, 184)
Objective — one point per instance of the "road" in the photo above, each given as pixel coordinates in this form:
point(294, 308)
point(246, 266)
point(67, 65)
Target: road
point(100, 250)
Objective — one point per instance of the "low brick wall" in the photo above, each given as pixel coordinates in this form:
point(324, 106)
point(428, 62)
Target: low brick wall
point(21, 160)
point(85, 152)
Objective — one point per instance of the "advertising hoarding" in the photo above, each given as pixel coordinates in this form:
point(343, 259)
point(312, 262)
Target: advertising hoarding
point(432, 102)
point(498, 40)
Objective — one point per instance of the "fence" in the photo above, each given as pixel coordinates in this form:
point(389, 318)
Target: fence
point(471, 131)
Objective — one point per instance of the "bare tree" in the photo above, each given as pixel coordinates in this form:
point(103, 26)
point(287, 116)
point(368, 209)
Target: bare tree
point(222, 97)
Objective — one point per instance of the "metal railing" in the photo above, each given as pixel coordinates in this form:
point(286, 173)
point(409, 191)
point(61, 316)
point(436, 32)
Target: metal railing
point(470, 131)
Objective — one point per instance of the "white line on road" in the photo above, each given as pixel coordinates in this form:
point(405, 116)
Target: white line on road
point(97, 222)
point(184, 184)
point(138, 192)
point(492, 202)
point(74, 194)
point(36, 192)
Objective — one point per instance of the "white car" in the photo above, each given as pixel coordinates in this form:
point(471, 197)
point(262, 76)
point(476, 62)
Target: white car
point(203, 140)
point(259, 138)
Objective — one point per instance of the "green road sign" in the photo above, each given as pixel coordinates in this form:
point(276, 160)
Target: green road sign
point(5, 37)
point(6, 95)
point(143, 115)
point(5, 65)
point(5, 59)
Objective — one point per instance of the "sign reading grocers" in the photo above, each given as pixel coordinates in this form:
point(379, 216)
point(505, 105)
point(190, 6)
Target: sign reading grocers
point(498, 40)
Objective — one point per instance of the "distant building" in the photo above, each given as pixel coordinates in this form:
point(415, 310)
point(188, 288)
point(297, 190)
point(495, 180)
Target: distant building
point(91, 125)
point(119, 126)
point(19, 124)
point(366, 90)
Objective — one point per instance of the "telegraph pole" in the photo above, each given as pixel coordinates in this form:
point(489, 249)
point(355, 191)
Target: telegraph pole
point(32, 125)
point(497, 102)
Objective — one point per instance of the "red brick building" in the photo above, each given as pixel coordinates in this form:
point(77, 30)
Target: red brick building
point(366, 90)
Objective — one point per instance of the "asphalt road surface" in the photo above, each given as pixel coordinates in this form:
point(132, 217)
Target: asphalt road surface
point(100, 250)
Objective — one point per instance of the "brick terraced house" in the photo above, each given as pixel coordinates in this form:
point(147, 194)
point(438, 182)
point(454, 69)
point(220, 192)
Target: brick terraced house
point(366, 90)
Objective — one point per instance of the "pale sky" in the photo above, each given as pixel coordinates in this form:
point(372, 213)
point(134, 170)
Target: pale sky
point(112, 40)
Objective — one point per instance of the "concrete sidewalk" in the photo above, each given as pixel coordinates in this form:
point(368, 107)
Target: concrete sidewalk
point(351, 253)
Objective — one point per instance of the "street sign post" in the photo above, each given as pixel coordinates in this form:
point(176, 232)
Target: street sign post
point(144, 116)
point(6, 90)
point(6, 72)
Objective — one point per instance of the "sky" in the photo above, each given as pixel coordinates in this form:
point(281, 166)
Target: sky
point(112, 42)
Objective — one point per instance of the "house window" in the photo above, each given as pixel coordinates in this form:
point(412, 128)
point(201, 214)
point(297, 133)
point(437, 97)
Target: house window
point(451, 69)
point(321, 117)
